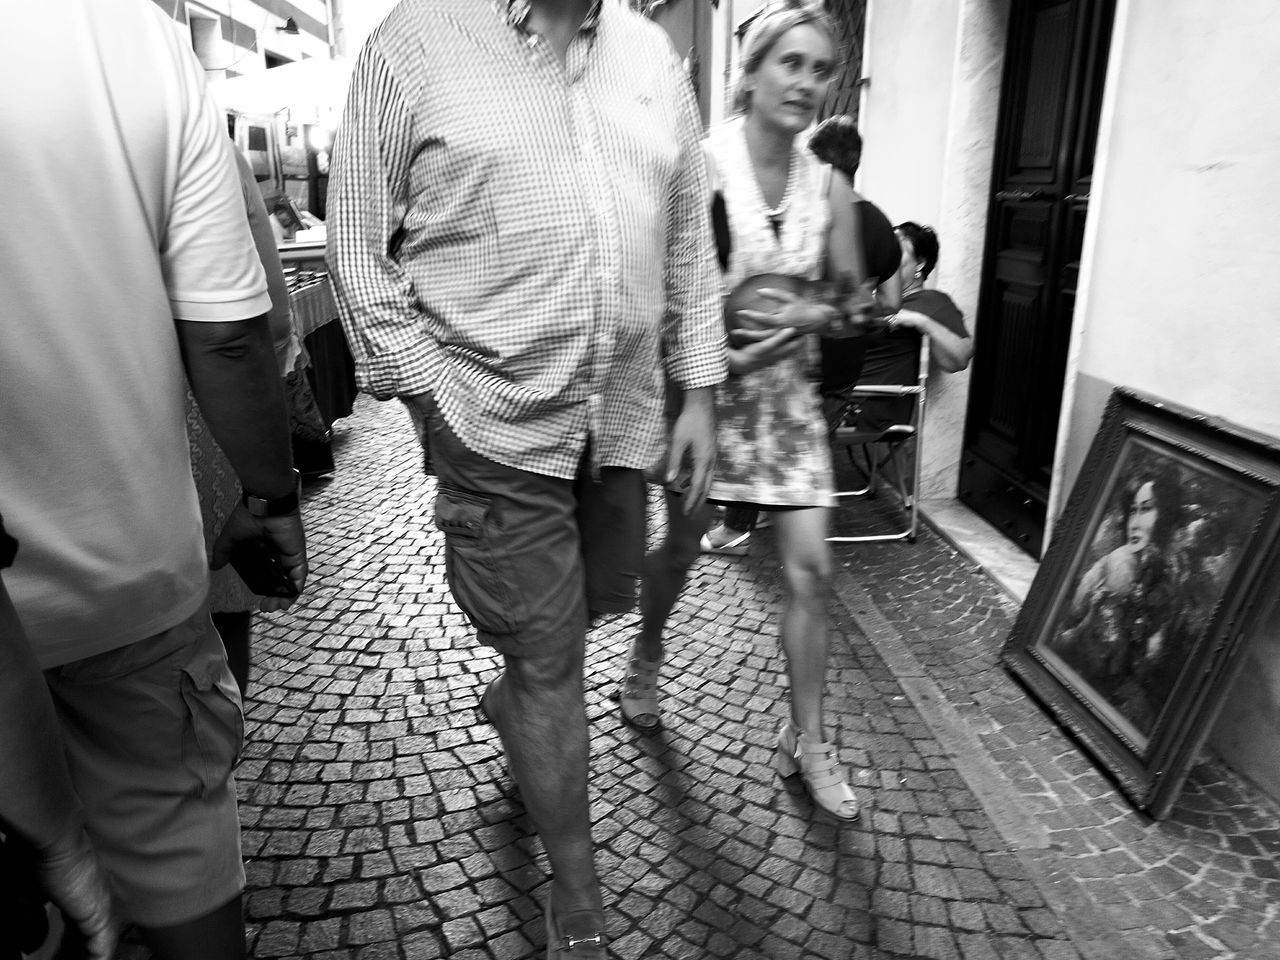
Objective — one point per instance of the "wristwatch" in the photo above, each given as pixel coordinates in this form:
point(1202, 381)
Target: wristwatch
point(273, 506)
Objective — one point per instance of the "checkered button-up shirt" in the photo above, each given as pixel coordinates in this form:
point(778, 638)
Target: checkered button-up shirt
point(526, 239)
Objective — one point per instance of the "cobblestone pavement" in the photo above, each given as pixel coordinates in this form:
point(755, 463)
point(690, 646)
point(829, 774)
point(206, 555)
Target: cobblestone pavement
point(380, 820)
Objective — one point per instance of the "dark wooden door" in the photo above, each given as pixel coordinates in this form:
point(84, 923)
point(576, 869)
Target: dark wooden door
point(1051, 96)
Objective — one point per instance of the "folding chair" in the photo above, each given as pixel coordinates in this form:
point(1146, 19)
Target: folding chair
point(896, 449)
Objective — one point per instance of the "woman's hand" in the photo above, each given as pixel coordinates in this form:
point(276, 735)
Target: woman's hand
point(795, 312)
point(755, 349)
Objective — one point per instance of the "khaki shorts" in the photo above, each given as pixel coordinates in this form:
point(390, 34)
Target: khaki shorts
point(152, 731)
point(528, 557)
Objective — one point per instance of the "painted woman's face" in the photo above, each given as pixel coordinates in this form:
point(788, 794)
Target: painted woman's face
point(1142, 516)
point(791, 79)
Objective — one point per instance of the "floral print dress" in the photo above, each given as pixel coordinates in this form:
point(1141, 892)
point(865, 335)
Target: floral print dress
point(771, 434)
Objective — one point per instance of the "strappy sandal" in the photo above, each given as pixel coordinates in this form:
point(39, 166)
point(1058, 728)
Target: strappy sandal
point(638, 695)
point(819, 767)
point(561, 945)
point(737, 547)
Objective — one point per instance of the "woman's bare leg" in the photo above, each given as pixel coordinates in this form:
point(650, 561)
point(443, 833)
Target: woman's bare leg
point(806, 563)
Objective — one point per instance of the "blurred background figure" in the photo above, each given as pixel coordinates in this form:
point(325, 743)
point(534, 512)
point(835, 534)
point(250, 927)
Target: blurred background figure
point(231, 603)
point(126, 262)
point(892, 352)
point(836, 141)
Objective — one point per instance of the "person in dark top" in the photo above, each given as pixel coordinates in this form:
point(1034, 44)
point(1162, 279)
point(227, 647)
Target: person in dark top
point(892, 354)
point(836, 141)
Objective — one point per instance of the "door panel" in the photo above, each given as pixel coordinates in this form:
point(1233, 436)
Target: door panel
point(1039, 134)
point(1051, 95)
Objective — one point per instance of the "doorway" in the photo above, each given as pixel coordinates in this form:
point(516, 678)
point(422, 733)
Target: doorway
point(1050, 100)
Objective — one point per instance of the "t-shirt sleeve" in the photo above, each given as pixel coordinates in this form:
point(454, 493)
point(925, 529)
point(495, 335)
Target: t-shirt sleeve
point(944, 310)
point(211, 266)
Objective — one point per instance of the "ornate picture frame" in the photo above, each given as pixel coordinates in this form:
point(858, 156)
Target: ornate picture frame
point(1131, 630)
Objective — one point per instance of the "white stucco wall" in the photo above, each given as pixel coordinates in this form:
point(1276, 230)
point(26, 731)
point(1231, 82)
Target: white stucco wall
point(1181, 279)
point(909, 59)
point(929, 121)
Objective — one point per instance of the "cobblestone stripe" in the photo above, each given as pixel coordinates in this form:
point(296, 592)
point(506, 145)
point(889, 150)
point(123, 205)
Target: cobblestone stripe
point(1092, 928)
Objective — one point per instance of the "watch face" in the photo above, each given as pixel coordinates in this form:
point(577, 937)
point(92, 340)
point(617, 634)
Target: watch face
point(276, 507)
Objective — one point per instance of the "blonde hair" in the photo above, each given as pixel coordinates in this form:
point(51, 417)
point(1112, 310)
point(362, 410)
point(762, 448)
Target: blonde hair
point(768, 27)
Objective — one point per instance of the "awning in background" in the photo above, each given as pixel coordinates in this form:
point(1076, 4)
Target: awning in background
point(312, 91)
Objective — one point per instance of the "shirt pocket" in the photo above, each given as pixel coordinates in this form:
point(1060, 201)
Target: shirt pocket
point(480, 575)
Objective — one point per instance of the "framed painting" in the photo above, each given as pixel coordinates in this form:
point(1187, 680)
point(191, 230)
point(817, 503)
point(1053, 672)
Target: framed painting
point(1158, 566)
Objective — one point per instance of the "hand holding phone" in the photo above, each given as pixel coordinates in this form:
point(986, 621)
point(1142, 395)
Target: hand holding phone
point(260, 567)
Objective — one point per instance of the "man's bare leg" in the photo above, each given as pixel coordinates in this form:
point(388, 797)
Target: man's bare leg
point(537, 708)
point(665, 570)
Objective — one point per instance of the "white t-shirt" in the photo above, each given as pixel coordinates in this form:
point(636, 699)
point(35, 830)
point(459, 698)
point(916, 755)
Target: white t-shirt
point(120, 209)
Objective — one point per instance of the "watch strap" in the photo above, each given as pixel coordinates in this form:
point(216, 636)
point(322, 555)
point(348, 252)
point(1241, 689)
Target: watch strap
point(273, 506)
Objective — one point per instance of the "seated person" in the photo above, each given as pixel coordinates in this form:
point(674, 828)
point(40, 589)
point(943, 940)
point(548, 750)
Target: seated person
point(892, 354)
point(836, 141)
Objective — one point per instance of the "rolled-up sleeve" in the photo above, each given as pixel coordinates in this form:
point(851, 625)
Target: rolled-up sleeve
point(368, 200)
point(693, 331)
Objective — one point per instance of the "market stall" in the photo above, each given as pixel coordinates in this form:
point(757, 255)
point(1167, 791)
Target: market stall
point(283, 119)
point(331, 370)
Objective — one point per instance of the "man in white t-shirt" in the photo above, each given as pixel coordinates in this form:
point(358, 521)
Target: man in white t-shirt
point(125, 257)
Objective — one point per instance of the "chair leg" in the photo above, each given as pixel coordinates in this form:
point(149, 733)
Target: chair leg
point(866, 471)
point(873, 470)
point(900, 476)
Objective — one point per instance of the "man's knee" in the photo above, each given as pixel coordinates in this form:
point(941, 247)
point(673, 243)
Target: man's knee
point(545, 674)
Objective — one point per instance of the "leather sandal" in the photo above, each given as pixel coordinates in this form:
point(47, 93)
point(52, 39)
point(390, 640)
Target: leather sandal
point(737, 547)
point(819, 766)
point(638, 695)
point(561, 946)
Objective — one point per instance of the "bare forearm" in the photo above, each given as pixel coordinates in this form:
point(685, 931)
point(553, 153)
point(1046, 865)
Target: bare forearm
point(233, 374)
point(950, 352)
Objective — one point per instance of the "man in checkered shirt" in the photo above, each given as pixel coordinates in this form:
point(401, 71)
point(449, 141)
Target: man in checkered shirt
point(520, 245)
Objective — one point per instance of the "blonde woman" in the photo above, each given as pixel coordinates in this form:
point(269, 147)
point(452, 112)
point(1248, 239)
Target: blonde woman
point(790, 216)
